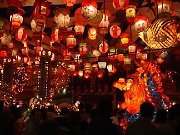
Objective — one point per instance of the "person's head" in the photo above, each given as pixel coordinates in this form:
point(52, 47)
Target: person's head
point(36, 115)
point(64, 111)
point(161, 116)
point(174, 112)
point(146, 110)
point(51, 108)
point(105, 108)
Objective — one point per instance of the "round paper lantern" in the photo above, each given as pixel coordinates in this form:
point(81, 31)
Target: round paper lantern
point(69, 3)
point(79, 18)
point(55, 35)
point(86, 75)
point(115, 31)
point(92, 33)
point(6, 38)
point(164, 6)
point(21, 34)
point(120, 57)
point(140, 23)
point(89, 9)
point(120, 4)
point(103, 47)
point(62, 19)
point(71, 41)
point(3, 53)
point(16, 20)
point(160, 60)
point(100, 74)
point(79, 29)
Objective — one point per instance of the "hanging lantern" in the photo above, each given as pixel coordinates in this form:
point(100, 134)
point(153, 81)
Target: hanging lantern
point(141, 23)
point(80, 73)
point(164, 6)
point(79, 29)
point(132, 48)
point(43, 9)
point(62, 19)
point(82, 49)
point(87, 66)
point(124, 38)
point(26, 60)
point(38, 23)
point(17, 18)
point(55, 35)
point(115, 31)
point(14, 52)
point(94, 68)
point(21, 34)
point(66, 54)
point(71, 41)
point(3, 53)
point(75, 73)
point(72, 67)
point(120, 4)
point(86, 75)
point(160, 60)
point(127, 61)
point(104, 24)
point(110, 67)
point(6, 38)
point(120, 57)
point(103, 47)
point(102, 65)
point(100, 74)
point(69, 3)
point(112, 55)
point(92, 33)
point(96, 52)
point(89, 9)
point(130, 13)
point(114, 70)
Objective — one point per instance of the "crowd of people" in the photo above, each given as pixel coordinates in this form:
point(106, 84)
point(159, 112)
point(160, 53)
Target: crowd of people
point(102, 120)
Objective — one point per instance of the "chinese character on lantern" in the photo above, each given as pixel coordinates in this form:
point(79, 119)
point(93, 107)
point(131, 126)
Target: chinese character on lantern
point(115, 31)
point(103, 47)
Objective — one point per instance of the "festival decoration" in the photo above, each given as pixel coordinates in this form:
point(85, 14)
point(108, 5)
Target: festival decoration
point(82, 49)
point(92, 33)
point(164, 6)
point(17, 19)
point(124, 38)
point(141, 23)
point(102, 65)
point(112, 55)
point(120, 4)
point(55, 36)
point(103, 47)
point(132, 48)
point(21, 34)
point(69, 3)
point(115, 31)
point(79, 29)
point(130, 13)
point(6, 38)
point(71, 41)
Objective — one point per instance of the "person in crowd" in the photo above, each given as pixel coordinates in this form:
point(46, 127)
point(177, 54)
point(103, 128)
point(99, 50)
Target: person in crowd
point(161, 118)
point(102, 124)
point(33, 123)
point(49, 127)
point(143, 125)
point(51, 113)
point(172, 126)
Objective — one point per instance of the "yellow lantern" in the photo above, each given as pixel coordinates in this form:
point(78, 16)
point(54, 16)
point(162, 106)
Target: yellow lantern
point(164, 6)
point(80, 73)
point(87, 66)
point(130, 12)
point(110, 68)
point(124, 38)
point(72, 67)
point(92, 33)
point(71, 41)
point(79, 29)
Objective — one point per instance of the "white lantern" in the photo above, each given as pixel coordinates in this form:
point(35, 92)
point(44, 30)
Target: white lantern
point(140, 23)
point(102, 65)
point(72, 67)
point(6, 39)
point(110, 68)
point(21, 34)
point(16, 20)
point(62, 19)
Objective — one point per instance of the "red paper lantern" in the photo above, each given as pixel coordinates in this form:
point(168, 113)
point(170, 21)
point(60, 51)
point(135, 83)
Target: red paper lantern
point(17, 18)
point(100, 74)
point(92, 33)
point(3, 53)
point(115, 31)
point(21, 34)
point(69, 3)
point(120, 57)
point(86, 75)
point(120, 4)
point(160, 60)
point(71, 41)
point(103, 47)
point(43, 9)
point(79, 29)
point(141, 23)
point(55, 35)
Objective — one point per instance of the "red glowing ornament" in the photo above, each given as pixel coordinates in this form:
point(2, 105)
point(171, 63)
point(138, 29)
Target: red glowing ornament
point(43, 9)
point(100, 74)
point(86, 75)
point(115, 31)
point(71, 41)
point(69, 3)
point(124, 38)
point(82, 49)
point(17, 3)
point(75, 73)
point(3, 53)
point(89, 9)
point(103, 47)
point(92, 33)
point(141, 23)
point(120, 4)
point(21, 34)
point(160, 60)
point(55, 35)
point(112, 55)
point(120, 57)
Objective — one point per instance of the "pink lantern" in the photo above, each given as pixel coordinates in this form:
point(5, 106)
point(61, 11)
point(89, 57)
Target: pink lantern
point(141, 23)
point(120, 4)
point(21, 34)
point(92, 33)
point(115, 31)
point(103, 47)
point(71, 41)
point(55, 35)
point(69, 3)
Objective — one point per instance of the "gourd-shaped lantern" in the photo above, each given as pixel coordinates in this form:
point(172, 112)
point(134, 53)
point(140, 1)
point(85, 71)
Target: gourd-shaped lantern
point(71, 41)
point(104, 24)
point(92, 33)
point(82, 49)
point(141, 23)
point(69, 3)
point(79, 29)
point(112, 55)
point(103, 47)
point(120, 4)
point(17, 19)
point(62, 19)
point(55, 36)
point(164, 6)
point(89, 9)
point(21, 34)
point(130, 13)
point(115, 31)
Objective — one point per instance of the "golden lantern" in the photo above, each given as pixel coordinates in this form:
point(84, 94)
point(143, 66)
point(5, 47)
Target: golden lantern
point(92, 33)
point(124, 38)
point(87, 66)
point(71, 41)
point(110, 68)
point(72, 67)
point(164, 6)
point(130, 13)
point(127, 61)
point(80, 73)
point(79, 29)
point(69, 3)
